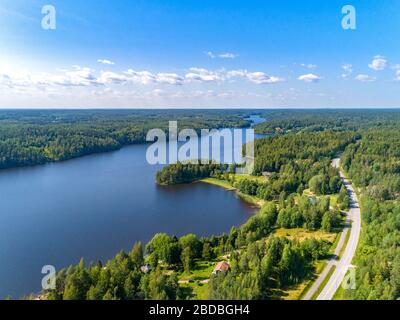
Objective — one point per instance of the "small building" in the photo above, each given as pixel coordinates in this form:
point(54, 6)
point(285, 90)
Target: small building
point(145, 269)
point(266, 174)
point(221, 266)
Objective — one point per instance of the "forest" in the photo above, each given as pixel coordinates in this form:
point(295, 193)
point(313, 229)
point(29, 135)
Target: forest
point(373, 165)
point(31, 137)
point(286, 121)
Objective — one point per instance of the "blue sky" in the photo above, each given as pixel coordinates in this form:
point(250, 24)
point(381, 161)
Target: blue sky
point(278, 53)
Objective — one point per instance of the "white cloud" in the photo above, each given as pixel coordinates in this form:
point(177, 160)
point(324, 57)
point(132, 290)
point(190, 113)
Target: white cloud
point(228, 55)
point(397, 75)
point(210, 54)
point(141, 77)
point(309, 66)
point(81, 77)
point(204, 75)
point(169, 78)
point(309, 77)
point(85, 77)
point(200, 74)
point(365, 78)
point(155, 93)
point(112, 78)
point(78, 77)
point(347, 70)
point(262, 78)
point(378, 63)
point(146, 77)
point(105, 61)
point(225, 55)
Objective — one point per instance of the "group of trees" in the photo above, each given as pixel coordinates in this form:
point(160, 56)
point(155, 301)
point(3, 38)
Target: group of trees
point(186, 173)
point(374, 167)
point(121, 278)
point(179, 253)
point(275, 262)
point(374, 163)
point(303, 149)
point(309, 213)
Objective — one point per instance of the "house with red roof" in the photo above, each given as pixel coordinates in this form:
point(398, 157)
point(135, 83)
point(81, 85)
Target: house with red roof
point(221, 266)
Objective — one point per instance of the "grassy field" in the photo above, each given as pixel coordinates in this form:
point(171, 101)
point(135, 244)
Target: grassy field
point(298, 292)
point(251, 199)
point(302, 234)
point(259, 179)
point(217, 182)
point(201, 271)
point(198, 291)
point(295, 292)
point(320, 266)
point(226, 185)
point(194, 281)
point(346, 240)
point(339, 295)
point(333, 197)
point(336, 242)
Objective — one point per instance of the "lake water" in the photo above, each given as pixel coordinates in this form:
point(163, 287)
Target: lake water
point(95, 206)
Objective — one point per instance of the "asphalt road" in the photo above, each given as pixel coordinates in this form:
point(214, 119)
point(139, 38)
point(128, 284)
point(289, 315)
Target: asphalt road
point(342, 266)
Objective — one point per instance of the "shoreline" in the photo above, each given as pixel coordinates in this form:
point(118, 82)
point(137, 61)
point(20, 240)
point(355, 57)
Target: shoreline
point(225, 185)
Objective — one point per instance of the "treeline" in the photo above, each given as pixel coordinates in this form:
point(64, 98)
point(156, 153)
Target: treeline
point(286, 121)
point(120, 279)
point(373, 165)
point(185, 173)
point(40, 136)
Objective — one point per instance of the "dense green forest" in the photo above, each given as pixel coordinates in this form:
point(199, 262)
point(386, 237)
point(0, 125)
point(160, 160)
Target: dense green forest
point(40, 136)
point(284, 121)
point(374, 166)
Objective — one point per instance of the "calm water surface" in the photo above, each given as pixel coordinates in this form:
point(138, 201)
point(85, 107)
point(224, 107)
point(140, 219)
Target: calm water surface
point(93, 207)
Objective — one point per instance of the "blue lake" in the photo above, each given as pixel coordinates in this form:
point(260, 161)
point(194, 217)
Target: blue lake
point(95, 206)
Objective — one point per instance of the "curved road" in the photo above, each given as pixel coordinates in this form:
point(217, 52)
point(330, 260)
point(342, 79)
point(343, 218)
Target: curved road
point(342, 266)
